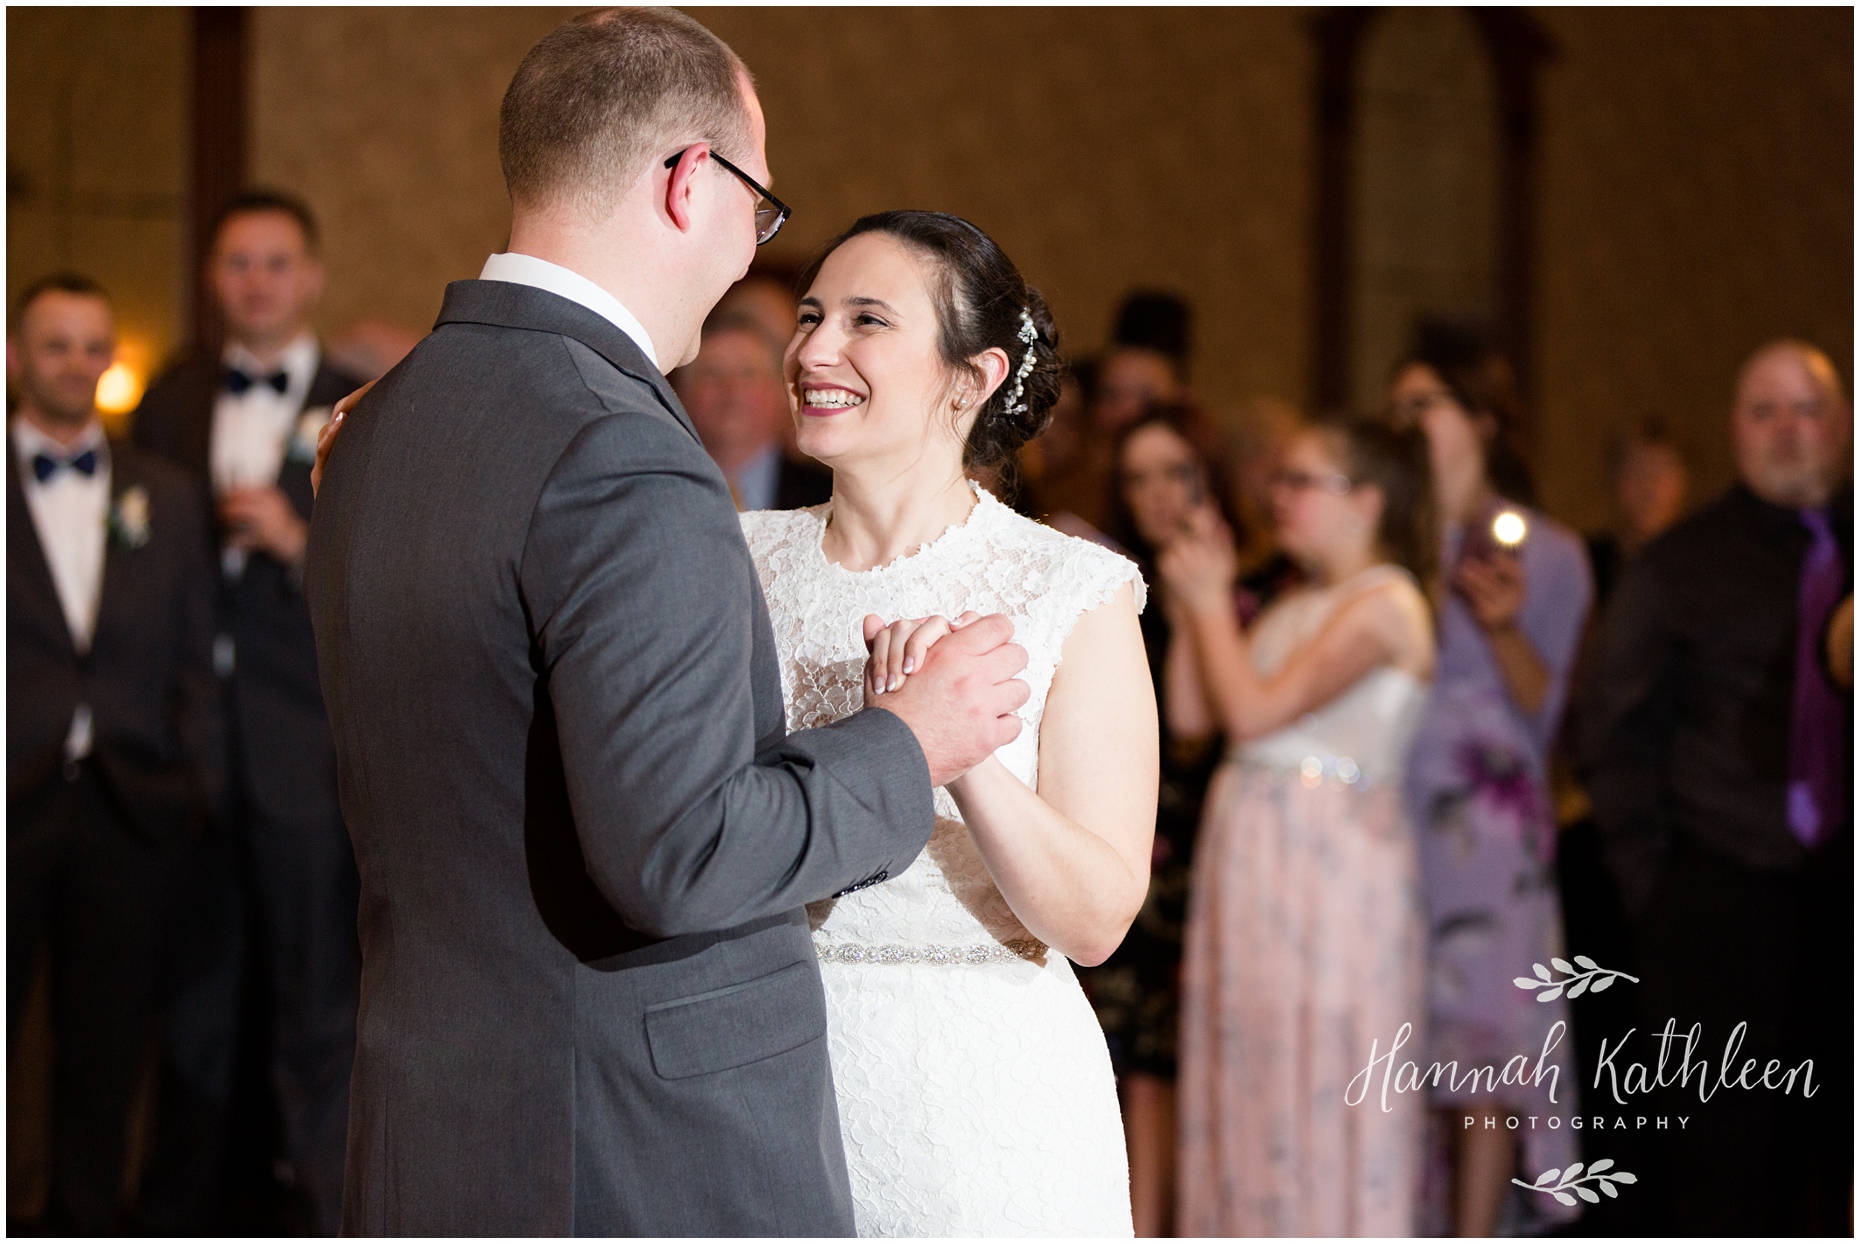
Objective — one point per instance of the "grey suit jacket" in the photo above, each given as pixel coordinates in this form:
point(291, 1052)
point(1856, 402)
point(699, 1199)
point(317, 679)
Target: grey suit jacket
point(590, 1003)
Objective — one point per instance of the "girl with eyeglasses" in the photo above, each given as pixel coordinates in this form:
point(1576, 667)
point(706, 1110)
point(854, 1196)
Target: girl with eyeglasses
point(1304, 938)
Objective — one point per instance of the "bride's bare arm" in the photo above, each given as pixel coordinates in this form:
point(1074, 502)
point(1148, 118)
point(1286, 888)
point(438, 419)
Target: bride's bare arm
point(1073, 860)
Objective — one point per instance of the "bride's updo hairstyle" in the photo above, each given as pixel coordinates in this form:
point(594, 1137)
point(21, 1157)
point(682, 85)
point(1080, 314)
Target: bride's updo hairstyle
point(981, 303)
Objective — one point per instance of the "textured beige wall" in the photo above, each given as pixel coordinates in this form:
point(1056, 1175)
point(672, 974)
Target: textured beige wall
point(1697, 200)
point(1101, 147)
point(385, 121)
point(1426, 189)
point(96, 157)
point(1696, 194)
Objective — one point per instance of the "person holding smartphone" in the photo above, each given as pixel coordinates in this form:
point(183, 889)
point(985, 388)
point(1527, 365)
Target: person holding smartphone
point(1165, 468)
point(1516, 589)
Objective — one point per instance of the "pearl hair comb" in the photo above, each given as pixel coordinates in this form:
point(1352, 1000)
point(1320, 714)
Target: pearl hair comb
point(1028, 335)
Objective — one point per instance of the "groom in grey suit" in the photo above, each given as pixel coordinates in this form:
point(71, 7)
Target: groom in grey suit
point(590, 1002)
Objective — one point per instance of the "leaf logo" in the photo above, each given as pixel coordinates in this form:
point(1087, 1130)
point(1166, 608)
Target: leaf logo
point(1560, 1184)
point(1586, 974)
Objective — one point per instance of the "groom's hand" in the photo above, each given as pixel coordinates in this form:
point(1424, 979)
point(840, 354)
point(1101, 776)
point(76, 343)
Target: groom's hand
point(961, 696)
point(894, 652)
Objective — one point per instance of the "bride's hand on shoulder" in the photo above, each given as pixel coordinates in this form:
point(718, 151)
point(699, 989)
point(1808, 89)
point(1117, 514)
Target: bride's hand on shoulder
point(896, 650)
point(327, 437)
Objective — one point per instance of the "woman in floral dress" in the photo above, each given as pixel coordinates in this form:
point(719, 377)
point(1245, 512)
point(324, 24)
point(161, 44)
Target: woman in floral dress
point(1509, 622)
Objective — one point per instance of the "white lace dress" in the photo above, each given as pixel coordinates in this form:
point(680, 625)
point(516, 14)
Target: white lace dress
point(976, 1094)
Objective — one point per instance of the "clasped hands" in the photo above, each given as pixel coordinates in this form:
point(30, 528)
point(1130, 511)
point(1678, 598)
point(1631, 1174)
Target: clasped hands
point(955, 683)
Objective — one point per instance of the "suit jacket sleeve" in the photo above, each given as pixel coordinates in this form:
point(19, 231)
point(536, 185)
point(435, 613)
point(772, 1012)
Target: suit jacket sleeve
point(647, 615)
point(157, 424)
point(1628, 731)
point(196, 687)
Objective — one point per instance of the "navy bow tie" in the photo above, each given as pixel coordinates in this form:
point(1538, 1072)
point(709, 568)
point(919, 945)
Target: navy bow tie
point(44, 466)
point(237, 382)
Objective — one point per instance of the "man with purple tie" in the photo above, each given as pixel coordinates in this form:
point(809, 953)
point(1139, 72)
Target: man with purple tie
point(1718, 752)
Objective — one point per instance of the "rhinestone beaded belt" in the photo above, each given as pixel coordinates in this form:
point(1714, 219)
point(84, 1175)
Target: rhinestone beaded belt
point(1312, 771)
point(1017, 951)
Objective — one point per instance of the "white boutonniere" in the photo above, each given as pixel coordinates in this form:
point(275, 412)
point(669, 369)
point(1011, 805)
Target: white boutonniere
point(129, 518)
point(303, 438)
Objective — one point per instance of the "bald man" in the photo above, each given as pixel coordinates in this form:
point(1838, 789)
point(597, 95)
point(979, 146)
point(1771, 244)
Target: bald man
point(1718, 752)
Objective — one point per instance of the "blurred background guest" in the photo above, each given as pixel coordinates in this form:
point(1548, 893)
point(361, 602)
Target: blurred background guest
point(244, 421)
point(115, 752)
point(736, 397)
point(1156, 320)
point(1255, 439)
point(769, 302)
point(1058, 479)
point(1146, 362)
point(1167, 467)
point(1648, 479)
point(369, 349)
point(1130, 379)
point(1517, 594)
point(1718, 753)
point(1145, 365)
point(765, 302)
point(1306, 933)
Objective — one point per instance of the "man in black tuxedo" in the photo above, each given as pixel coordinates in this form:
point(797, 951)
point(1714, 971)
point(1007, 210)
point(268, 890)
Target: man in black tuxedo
point(1718, 754)
point(245, 423)
point(115, 754)
point(737, 399)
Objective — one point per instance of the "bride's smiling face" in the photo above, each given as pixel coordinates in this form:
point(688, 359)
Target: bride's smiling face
point(864, 368)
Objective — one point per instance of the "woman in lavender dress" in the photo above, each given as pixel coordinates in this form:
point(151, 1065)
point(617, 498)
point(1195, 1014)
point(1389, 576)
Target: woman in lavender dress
point(1509, 621)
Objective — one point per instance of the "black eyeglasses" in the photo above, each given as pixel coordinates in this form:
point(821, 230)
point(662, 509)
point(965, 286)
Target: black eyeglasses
point(1333, 482)
point(771, 212)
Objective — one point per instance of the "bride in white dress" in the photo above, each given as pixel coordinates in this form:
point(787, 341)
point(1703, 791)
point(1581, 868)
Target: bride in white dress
point(975, 1091)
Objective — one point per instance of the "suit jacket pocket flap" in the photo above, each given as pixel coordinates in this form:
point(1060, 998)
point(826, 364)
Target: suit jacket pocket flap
point(738, 1024)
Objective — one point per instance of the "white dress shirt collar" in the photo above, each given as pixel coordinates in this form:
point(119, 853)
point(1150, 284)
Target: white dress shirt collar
point(70, 514)
point(252, 430)
point(298, 361)
point(29, 440)
point(529, 270)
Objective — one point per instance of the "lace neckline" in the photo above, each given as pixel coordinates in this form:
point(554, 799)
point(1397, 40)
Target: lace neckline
point(950, 537)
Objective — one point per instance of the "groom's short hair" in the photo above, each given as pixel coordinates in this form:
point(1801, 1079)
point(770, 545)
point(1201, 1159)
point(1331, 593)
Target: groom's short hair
point(604, 94)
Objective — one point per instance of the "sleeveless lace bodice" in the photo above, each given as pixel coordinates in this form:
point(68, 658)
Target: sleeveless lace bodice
point(995, 562)
point(975, 1092)
point(1366, 732)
